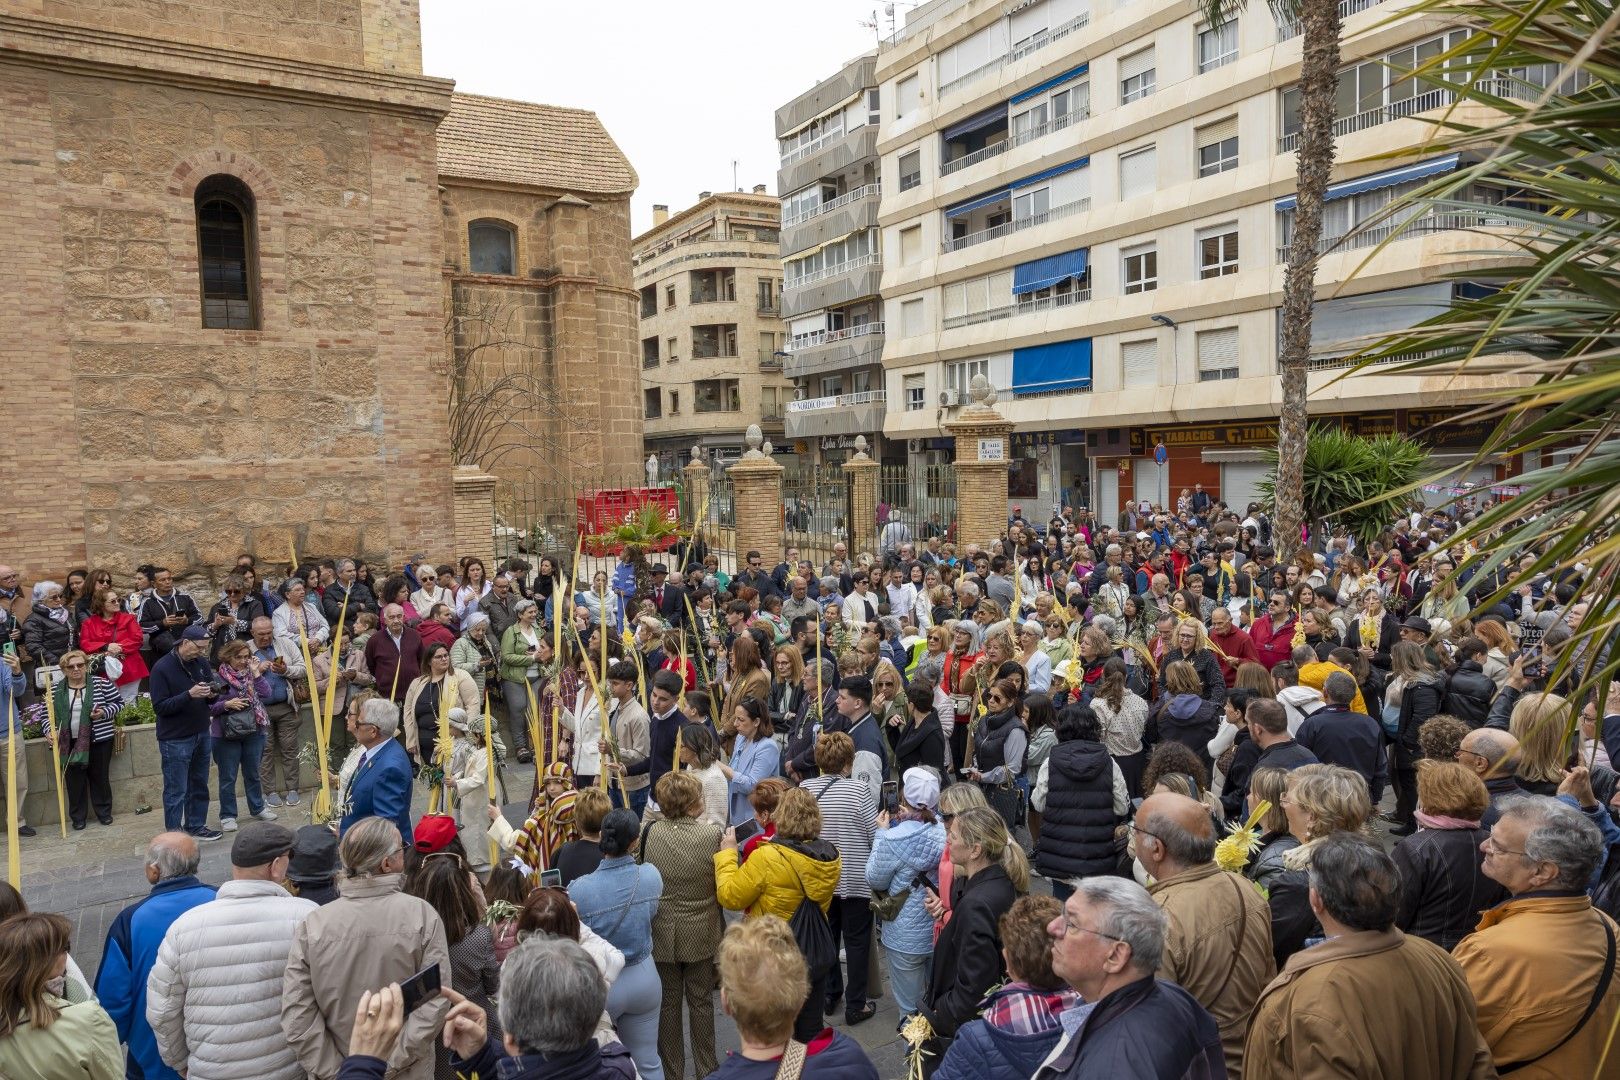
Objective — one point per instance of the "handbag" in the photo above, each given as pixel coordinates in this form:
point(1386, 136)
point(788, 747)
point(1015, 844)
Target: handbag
point(1390, 720)
point(238, 724)
point(811, 932)
point(886, 906)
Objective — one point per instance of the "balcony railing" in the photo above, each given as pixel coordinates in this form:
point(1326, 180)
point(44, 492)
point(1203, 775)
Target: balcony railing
point(1039, 41)
point(1291, 29)
point(841, 401)
point(770, 361)
point(843, 200)
point(649, 361)
point(1418, 226)
point(1016, 225)
point(976, 317)
point(1055, 124)
point(772, 414)
point(1342, 360)
point(769, 307)
point(800, 152)
point(1434, 98)
point(832, 271)
point(828, 337)
point(1077, 296)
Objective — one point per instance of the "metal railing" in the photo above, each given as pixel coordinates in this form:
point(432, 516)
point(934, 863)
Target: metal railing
point(649, 361)
point(828, 337)
point(1034, 44)
point(838, 401)
point(1292, 29)
point(1433, 98)
point(1336, 361)
point(828, 207)
point(1058, 300)
point(806, 149)
point(769, 307)
point(842, 268)
point(1016, 225)
point(1057, 123)
point(1401, 230)
point(976, 317)
point(770, 361)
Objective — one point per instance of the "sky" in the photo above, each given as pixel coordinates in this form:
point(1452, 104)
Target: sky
point(684, 87)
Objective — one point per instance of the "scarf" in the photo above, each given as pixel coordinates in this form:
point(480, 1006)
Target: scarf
point(59, 614)
point(75, 748)
point(1442, 821)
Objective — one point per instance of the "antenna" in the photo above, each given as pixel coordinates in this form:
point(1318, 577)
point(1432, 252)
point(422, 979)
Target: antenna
point(734, 186)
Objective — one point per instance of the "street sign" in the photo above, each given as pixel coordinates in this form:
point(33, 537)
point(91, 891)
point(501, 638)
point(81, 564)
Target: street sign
point(1160, 454)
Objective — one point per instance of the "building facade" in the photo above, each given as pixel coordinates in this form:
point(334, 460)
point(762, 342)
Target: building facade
point(833, 265)
point(709, 284)
point(225, 299)
point(1088, 202)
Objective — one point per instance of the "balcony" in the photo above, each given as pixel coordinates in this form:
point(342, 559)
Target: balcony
point(1437, 97)
point(770, 362)
point(836, 285)
point(768, 307)
point(828, 207)
point(846, 414)
point(1290, 29)
point(1034, 44)
point(996, 232)
point(845, 214)
point(855, 77)
point(1419, 226)
point(833, 154)
point(833, 350)
point(1046, 303)
point(1023, 137)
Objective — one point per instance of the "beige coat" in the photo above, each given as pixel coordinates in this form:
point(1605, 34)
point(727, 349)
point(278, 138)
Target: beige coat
point(1217, 947)
point(466, 698)
point(371, 936)
point(1376, 1003)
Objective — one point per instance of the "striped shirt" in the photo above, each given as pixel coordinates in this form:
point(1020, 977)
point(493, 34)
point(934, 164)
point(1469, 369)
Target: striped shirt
point(848, 822)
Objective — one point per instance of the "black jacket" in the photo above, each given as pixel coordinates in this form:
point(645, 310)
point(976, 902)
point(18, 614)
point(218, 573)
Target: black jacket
point(239, 629)
point(919, 744)
point(1354, 740)
point(1077, 826)
point(1419, 701)
point(359, 599)
point(160, 638)
point(1443, 885)
point(1209, 672)
point(1292, 920)
point(1186, 720)
point(45, 638)
point(967, 956)
point(1288, 754)
point(1389, 632)
point(1147, 1030)
point(673, 608)
point(1469, 692)
point(1235, 790)
point(800, 752)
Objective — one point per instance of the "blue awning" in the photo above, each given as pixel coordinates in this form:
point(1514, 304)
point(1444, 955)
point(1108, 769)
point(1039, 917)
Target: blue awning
point(1057, 170)
point(988, 118)
point(1044, 273)
point(1063, 365)
point(1388, 178)
point(1049, 84)
point(971, 205)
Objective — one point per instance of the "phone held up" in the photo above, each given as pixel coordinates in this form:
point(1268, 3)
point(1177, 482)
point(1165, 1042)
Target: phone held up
point(746, 831)
point(891, 795)
point(551, 879)
point(420, 988)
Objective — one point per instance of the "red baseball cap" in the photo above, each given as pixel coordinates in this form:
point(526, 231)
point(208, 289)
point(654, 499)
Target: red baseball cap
point(434, 833)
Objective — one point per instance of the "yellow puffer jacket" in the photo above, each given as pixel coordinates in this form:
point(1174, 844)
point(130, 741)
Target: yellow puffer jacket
point(769, 883)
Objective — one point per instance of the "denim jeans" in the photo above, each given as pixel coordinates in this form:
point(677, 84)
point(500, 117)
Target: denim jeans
point(185, 782)
point(638, 798)
point(908, 979)
point(245, 755)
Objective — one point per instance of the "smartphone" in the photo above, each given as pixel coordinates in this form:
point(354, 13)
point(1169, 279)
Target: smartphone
point(746, 831)
point(419, 988)
point(932, 891)
point(891, 795)
point(11, 648)
point(551, 879)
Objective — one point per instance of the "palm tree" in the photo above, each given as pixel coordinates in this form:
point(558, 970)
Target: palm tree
point(1352, 480)
point(1551, 74)
point(1319, 24)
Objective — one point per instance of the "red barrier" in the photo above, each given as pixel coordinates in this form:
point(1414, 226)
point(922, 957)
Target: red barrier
point(602, 510)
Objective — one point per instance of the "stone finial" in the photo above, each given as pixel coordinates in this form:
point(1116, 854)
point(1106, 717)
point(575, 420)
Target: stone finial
point(697, 454)
point(860, 448)
point(753, 437)
point(979, 389)
point(766, 449)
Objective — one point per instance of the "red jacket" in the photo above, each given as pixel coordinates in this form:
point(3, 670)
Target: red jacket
point(1274, 643)
point(1232, 649)
point(435, 633)
point(96, 633)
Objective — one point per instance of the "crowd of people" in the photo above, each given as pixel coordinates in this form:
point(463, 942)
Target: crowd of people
point(1085, 799)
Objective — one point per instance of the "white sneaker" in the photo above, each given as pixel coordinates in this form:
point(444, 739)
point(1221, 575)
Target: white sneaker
point(292, 798)
point(228, 824)
point(266, 815)
point(272, 799)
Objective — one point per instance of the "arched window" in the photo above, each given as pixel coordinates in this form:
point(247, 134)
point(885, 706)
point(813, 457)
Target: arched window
point(226, 254)
point(491, 248)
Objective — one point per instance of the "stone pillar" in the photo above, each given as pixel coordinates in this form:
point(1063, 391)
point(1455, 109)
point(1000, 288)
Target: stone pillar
point(861, 474)
point(696, 480)
point(981, 467)
point(475, 514)
point(756, 492)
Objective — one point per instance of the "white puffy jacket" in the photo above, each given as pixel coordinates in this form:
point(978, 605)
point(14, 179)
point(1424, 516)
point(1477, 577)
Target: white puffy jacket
point(214, 995)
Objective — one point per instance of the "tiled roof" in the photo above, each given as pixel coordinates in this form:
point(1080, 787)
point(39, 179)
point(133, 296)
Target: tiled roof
point(518, 142)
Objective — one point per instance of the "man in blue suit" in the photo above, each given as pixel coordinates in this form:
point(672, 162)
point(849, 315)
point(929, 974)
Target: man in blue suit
point(381, 784)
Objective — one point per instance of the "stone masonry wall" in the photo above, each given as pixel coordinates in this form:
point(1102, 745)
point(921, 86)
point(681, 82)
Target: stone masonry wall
point(326, 31)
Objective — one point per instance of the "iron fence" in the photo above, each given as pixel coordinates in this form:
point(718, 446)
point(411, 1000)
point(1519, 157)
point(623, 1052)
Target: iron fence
point(918, 503)
point(815, 510)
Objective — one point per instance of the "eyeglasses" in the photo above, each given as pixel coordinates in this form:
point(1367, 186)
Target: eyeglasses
point(1134, 828)
point(1072, 928)
point(1491, 847)
point(72, 667)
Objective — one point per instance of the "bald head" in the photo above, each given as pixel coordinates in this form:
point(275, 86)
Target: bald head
point(1489, 752)
point(171, 855)
point(1173, 833)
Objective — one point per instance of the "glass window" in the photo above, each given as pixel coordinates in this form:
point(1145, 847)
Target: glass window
point(915, 387)
point(1217, 45)
point(1218, 251)
point(491, 248)
point(1032, 204)
point(1218, 354)
point(1136, 76)
point(910, 170)
point(652, 403)
point(226, 254)
point(1141, 269)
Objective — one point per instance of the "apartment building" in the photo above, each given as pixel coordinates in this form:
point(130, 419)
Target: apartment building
point(832, 266)
point(1087, 202)
point(710, 285)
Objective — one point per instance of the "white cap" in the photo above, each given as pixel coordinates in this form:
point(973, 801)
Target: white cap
point(921, 787)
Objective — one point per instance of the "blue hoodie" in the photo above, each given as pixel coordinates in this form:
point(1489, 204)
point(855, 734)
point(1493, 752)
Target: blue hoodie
point(127, 959)
point(899, 853)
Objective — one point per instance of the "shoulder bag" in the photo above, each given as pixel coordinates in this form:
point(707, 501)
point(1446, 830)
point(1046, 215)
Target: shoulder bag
point(792, 1066)
point(810, 930)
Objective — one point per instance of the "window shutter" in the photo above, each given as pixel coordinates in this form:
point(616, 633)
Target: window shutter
point(1138, 173)
point(1218, 349)
point(1219, 131)
point(1135, 64)
point(956, 300)
point(1000, 289)
point(1140, 361)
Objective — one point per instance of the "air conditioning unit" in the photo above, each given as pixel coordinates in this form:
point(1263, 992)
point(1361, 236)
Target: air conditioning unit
point(949, 399)
point(914, 446)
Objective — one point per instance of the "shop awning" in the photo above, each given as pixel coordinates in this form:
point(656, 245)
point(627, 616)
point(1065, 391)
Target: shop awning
point(1049, 84)
point(1063, 365)
point(1044, 273)
point(986, 119)
point(1387, 178)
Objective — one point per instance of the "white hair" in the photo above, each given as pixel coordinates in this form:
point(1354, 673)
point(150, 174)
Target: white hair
point(381, 714)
